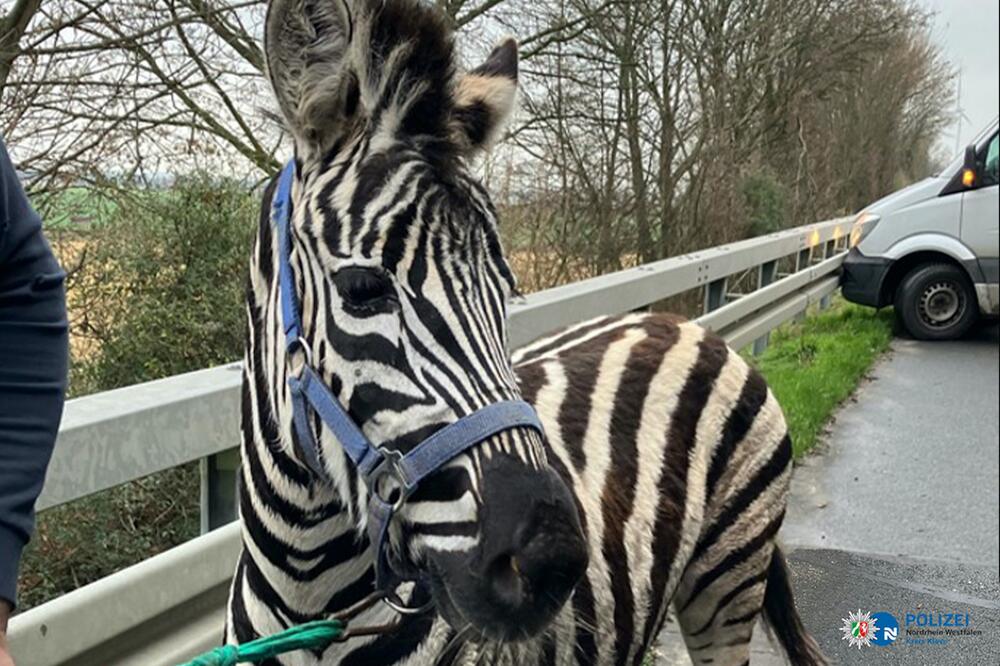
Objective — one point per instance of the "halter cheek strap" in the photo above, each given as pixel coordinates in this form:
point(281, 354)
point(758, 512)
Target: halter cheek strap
point(310, 395)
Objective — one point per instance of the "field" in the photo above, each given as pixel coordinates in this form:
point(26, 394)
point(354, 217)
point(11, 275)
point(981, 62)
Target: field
point(74, 209)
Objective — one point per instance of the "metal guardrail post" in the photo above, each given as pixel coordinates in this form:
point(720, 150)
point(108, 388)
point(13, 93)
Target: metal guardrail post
point(218, 489)
point(802, 259)
point(801, 262)
point(829, 251)
point(765, 276)
point(715, 295)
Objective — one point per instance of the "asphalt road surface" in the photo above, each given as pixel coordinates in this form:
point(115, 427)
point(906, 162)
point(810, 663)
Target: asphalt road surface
point(899, 511)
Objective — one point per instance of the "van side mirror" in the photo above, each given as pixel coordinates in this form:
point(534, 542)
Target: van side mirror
point(969, 166)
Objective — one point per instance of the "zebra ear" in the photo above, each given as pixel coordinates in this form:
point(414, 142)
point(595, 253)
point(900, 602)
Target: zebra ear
point(484, 99)
point(306, 46)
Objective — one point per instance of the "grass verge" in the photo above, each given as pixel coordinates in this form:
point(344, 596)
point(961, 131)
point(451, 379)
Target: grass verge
point(814, 365)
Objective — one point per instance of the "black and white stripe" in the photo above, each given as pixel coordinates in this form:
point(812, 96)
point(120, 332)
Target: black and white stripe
point(680, 458)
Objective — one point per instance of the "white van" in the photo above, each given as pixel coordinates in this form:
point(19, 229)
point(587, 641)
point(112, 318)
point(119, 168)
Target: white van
point(933, 249)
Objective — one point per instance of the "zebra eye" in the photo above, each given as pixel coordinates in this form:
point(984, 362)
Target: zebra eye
point(364, 288)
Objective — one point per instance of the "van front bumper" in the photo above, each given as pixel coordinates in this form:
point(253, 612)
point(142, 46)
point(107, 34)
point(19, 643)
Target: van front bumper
point(989, 299)
point(862, 277)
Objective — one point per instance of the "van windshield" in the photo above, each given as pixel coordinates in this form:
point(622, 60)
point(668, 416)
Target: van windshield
point(956, 164)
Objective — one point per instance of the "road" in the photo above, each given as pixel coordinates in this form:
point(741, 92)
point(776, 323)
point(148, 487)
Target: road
point(900, 509)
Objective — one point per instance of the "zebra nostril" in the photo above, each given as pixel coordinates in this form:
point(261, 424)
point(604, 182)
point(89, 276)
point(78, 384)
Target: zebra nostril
point(552, 564)
point(506, 580)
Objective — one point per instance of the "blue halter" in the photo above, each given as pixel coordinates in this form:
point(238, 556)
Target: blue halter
point(375, 464)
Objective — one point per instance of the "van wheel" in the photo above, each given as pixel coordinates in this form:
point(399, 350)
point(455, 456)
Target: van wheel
point(936, 302)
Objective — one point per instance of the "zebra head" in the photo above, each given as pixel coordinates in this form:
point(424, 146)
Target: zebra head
point(403, 287)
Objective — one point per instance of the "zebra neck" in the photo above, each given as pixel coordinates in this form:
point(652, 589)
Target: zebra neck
point(303, 549)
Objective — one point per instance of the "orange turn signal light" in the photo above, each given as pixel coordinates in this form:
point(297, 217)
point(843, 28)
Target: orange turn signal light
point(855, 235)
point(968, 177)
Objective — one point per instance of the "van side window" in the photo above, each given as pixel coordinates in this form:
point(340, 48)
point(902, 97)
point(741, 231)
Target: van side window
point(991, 164)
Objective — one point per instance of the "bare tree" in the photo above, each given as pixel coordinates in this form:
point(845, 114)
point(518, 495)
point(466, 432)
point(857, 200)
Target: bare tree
point(13, 23)
point(135, 88)
point(660, 122)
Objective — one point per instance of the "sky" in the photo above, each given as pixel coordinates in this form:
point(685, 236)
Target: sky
point(967, 31)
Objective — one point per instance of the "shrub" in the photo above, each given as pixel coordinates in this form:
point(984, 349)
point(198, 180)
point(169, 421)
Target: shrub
point(160, 288)
point(82, 541)
point(766, 201)
point(157, 290)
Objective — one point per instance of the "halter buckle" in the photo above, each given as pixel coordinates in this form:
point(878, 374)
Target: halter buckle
point(390, 467)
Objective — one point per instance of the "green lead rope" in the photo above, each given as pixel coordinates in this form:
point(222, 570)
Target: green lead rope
point(316, 635)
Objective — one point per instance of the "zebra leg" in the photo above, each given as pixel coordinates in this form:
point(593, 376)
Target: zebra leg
point(717, 611)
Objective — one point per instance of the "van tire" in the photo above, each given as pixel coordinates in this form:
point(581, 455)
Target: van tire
point(936, 302)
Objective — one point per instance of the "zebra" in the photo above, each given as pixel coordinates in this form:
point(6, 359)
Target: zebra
point(662, 475)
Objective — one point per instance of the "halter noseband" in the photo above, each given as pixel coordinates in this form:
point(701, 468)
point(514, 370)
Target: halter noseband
point(374, 463)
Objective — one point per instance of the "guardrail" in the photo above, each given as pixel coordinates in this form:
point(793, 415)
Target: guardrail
point(171, 606)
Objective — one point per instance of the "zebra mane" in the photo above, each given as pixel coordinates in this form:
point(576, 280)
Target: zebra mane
point(339, 65)
point(404, 54)
point(384, 68)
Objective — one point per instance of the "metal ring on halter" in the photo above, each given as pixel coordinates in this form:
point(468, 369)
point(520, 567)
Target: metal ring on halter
point(299, 345)
point(392, 600)
point(389, 467)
